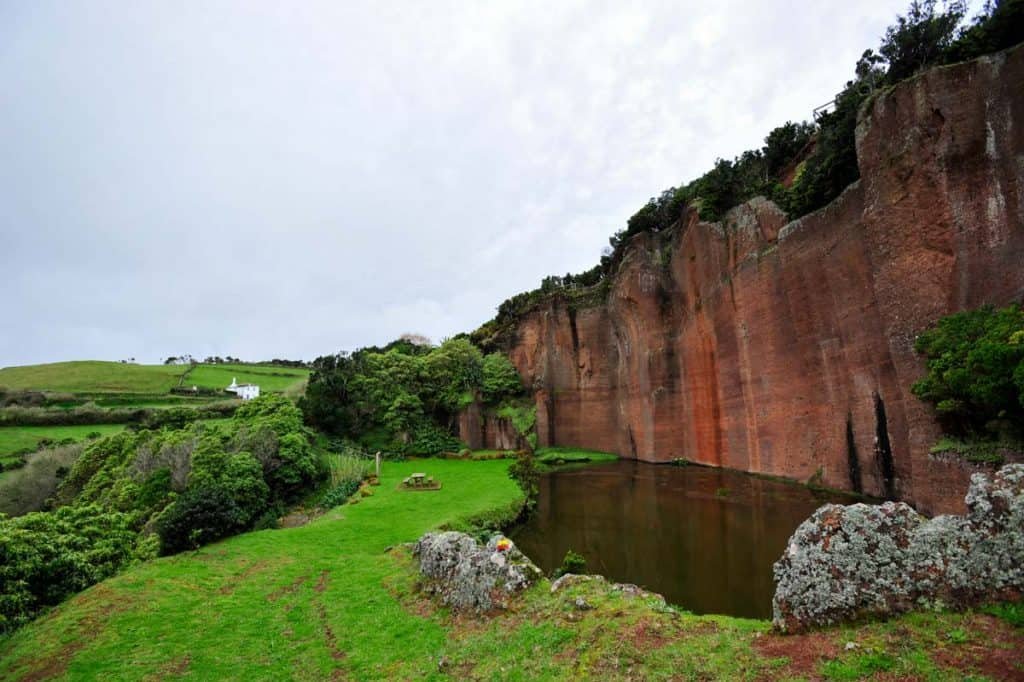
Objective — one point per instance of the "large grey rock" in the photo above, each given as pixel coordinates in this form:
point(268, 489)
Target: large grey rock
point(470, 576)
point(848, 562)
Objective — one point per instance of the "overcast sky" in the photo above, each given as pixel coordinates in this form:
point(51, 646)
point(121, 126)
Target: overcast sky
point(290, 179)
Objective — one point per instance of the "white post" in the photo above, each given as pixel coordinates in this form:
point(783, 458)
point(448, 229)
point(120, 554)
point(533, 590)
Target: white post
point(377, 457)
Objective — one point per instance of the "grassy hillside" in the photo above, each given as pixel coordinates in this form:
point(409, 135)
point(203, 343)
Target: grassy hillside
point(329, 600)
point(272, 379)
point(96, 378)
point(92, 376)
point(17, 438)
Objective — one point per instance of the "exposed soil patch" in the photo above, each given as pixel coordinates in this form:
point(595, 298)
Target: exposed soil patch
point(288, 589)
point(237, 580)
point(299, 517)
point(994, 650)
point(330, 639)
point(180, 667)
point(104, 603)
point(805, 652)
point(647, 635)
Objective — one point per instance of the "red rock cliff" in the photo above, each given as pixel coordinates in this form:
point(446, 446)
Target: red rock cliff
point(788, 348)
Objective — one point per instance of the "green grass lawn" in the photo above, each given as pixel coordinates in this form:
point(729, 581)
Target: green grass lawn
point(267, 605)
point(269, 379)
point(329, 600)
point(92, 376)
point(16, 438)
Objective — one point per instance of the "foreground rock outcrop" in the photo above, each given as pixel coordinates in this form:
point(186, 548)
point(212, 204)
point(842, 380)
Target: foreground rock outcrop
point(787, 347)
point(472, 577)
point(848, 562)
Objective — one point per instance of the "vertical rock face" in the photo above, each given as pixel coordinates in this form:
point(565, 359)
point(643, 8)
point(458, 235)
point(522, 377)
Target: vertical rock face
point(788, 348)
point(481, 428)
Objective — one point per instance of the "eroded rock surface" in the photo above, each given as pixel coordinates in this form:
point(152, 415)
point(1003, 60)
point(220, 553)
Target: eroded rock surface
point(470, 576)
point(787, 349)
point(848, 562)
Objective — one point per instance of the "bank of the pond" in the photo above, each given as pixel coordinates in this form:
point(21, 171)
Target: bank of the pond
point(329, 600)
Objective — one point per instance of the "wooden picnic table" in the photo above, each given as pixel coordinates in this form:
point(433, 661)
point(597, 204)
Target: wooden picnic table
point(417, 478)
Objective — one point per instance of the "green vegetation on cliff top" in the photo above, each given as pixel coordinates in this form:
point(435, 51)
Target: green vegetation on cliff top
point(802, 166)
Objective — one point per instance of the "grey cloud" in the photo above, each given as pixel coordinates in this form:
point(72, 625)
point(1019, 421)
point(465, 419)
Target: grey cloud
point(290, 179)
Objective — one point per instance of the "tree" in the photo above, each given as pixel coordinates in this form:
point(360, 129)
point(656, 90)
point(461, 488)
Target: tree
point(783, 144)
point(1000, 25)
point(500, 378)
point(415, 339)
point(47, 556)
point(200, 516)
point(921, 37)
point(975, 363)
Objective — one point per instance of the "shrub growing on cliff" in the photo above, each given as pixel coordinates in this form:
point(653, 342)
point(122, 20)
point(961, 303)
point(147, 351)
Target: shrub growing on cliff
point(975, 365)
point(526, 473)
point(500, 378)
point(523, 418)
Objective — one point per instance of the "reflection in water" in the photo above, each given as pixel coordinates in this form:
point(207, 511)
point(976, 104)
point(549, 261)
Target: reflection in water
point(704, 538)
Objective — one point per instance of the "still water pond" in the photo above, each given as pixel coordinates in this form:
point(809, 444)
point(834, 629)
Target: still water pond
point(704, 538)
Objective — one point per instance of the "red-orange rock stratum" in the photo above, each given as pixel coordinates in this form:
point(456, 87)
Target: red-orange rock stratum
point(787, 348)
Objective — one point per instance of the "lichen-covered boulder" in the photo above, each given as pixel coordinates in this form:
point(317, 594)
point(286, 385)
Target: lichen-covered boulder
point(470, 576)
point(848, 562)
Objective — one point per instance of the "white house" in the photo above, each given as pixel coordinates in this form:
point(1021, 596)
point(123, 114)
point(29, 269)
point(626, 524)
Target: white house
point(243, 391)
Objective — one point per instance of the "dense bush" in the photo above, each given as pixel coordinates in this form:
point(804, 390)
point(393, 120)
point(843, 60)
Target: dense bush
point(90, 413)
point(430, 439)
point(201, 515)
point(30, 487)
point(193, 484)
point(525, 471)
point(339, 494)
point(975, 365)
point(47, 556)
point(262, 458)
point(571, 563)
point(405, 398)
point(500, 378)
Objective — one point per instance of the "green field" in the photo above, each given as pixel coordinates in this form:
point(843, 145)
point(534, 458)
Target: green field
point(95, 378)
point(17, 438)
point(92, 376)
point(269, 379)
point(330, 600)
